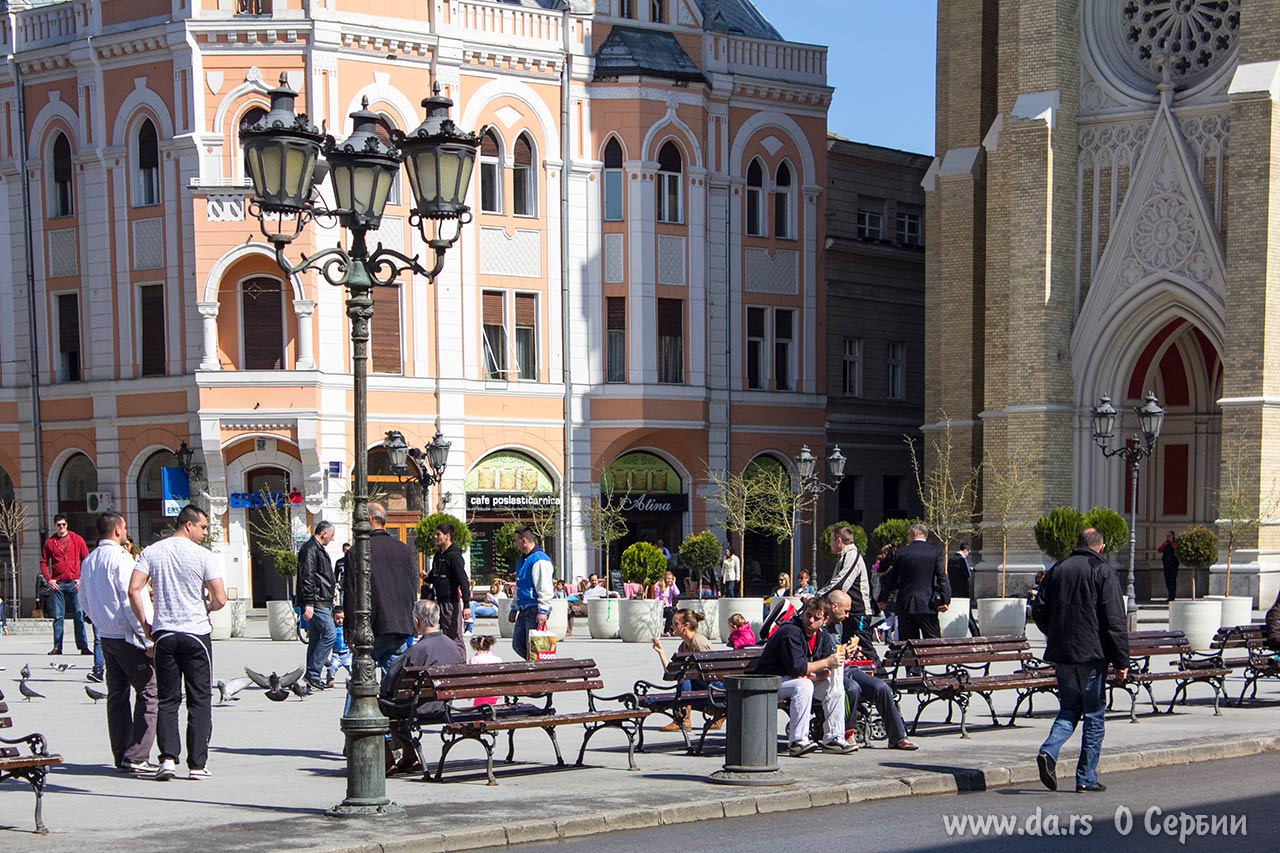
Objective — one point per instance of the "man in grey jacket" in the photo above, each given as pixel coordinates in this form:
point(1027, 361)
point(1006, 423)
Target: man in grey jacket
point(1079, 609)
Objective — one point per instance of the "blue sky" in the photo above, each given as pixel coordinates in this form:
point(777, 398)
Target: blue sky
point(881, 63)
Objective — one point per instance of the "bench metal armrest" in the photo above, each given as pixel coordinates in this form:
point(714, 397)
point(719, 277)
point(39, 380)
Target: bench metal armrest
point(628, 700)
point(1192, 660)
point(36, 741)
point(644, 688)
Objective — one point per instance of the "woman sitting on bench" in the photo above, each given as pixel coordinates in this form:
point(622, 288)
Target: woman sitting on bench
point(685, 623)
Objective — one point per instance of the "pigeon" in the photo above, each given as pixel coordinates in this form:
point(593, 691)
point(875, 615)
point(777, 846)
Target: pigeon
point(277, 686)
point(95, 695)
point(227, 690)
point(62, 667)
point(25, 672)
point(300, 689)
point(27, 693)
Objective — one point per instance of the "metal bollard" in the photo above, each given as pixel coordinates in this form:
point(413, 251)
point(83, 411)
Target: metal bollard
point(751, 732)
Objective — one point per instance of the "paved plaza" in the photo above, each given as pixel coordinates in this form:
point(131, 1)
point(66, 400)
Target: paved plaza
point(276, 767)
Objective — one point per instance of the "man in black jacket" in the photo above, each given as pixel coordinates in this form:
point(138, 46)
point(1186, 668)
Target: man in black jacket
point(448, 584)
point(1079, 609)
point(919, 576)
point(315, 597)
point(393, 589)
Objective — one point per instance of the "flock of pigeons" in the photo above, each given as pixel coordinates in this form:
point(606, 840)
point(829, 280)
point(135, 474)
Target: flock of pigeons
point(277, 687)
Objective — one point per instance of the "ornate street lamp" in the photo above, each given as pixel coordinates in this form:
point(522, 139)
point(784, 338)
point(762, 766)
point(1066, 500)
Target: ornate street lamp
point(185, 455)
point(282, 152)
point(427, 468)
point(1150, 420)
point(812, 486)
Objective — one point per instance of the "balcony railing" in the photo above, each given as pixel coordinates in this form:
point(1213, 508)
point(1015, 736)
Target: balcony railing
point(796, 63)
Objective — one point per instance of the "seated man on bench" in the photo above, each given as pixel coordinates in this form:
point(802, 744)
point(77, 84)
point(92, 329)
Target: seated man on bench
point(857, 682)
point(792, 653)
point(434, 648)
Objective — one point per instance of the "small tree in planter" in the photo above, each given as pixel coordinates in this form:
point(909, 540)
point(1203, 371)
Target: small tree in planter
point(892, 531)
point(1057, 532)
point(604, 522)
point(699, 554)
point(425, 533)
point(13, 523)
point(643, 564)
point(286, 564)
point(1197, 548)
point(949, 503)
point(1009, 488)
point(1239, 513)
point(273, 526)
point(1110, 524)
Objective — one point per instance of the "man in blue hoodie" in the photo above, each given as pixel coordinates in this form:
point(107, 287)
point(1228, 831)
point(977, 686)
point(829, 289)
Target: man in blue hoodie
point(534, 589)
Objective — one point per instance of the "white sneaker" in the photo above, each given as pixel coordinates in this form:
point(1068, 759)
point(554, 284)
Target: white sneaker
point(802, 748)
point(168, 769)
point(839, 746)
point(199, 773)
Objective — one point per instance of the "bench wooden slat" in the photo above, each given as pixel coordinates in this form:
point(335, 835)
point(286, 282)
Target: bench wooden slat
point(532, 689)
point(539, 722)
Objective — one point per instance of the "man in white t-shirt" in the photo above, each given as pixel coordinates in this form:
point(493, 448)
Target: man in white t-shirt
point(180, 573)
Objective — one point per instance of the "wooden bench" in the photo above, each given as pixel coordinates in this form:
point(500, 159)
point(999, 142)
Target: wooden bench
point(1260, 657)
point(1190, 668)
point(687, 684)
point(511, 682)
point(953, 669)
point(32, 767)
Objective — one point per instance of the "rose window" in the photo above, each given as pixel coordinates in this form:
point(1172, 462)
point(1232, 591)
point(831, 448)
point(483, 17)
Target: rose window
point(1194, 35)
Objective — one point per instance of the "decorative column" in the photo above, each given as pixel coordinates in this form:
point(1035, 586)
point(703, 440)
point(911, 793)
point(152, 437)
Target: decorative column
point(304, 308)
point(209, 316)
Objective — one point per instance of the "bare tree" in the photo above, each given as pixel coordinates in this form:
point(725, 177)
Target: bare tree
point(776, 508)
point(272, 523)
point(1009, 489)
point(1239, 511)
point(604, 523)
point(13, 523)
point(949, 506)
point(734, 497)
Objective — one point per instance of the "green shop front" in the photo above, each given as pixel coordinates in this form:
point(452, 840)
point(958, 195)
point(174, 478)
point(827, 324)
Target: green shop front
point(508, 486)
point(654, 502)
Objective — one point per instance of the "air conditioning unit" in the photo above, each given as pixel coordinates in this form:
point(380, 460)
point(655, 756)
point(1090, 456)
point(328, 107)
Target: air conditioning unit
point(98, 501)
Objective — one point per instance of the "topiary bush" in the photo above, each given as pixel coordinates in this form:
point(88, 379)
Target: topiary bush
point(699, 553)
point(504, 544)
point(643, 564)
point(859, 535)
point(1057, 532)
point(892, 531)
point(1111, 524)
point(1197, 547)
point(286, 563)
point(425, 534)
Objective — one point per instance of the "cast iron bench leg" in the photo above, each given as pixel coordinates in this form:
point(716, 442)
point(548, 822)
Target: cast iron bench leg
point(963, 701)
point(995, 721)
point(511, 745)
point(555, 744)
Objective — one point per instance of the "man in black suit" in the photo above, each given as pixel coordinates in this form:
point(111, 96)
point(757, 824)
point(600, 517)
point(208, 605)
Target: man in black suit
point(919, 576)
point(960, 574)
point(393, 589)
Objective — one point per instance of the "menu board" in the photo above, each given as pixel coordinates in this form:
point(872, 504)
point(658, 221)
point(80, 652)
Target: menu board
point(479, 552)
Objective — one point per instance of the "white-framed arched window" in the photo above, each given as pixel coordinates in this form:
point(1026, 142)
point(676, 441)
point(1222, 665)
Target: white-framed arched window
point(783, 208)
point(490, 172)
point(670, 184)
point(393, 195)
point(250, 117)
point(755, 199)
point(613, 181)
point(63, 189)
point(146, 165)
point(524, 191)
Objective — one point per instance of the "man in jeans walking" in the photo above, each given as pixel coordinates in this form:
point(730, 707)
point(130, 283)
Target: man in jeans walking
point(534, 588)
point(180, 573)
point(1079, 609)
point(315, 597)
point(60, 560)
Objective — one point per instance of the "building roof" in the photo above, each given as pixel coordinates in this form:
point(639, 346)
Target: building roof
point(629, 51)
point(737, 17)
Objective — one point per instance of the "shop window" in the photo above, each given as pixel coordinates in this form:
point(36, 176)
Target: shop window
point(783, 227)
point(490, 173)
point(670, 185)
point(63, 193)
point(755, 348)
point(262, 317)
point(494, 325)
point(613, 183)
point(523, 186)
point(616, 339)
point(152, 329)
point(671, 341)
point(68, 367)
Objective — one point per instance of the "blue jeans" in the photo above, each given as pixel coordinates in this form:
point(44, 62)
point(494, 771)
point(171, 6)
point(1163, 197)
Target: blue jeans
point(526, 621)
point(63, 593)
point(99, 661)
point(388, 647)
point(320, 637)
point(1082, 692)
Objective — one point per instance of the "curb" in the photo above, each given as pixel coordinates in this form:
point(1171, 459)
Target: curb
point(927, 784)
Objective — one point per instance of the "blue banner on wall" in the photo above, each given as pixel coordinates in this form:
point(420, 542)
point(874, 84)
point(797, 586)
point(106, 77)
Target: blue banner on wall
point(175, 490)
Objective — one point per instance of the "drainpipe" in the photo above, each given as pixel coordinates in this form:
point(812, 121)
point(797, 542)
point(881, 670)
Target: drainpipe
point(566, 479)
point(33, 360)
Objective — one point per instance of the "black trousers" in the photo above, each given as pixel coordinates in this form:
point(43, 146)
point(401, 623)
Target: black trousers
point(1171, 582)
point(184, 660)
point(451, 623)
point(131, 726)
point(913, 626)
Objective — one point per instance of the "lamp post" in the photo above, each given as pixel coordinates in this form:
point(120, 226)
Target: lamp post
point(282, 152)
point(427, 469)
point(811, 483)
point(1150, 420)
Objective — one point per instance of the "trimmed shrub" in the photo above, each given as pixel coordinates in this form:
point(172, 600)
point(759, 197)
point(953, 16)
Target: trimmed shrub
point(859, 535)
point(504, 545)
point(1197, 547)
point(425, 534)
point(644, 564)
point(699, 553)
point(1057, 532)
point(286, 563)
point(892, 531)
point(1111, 524)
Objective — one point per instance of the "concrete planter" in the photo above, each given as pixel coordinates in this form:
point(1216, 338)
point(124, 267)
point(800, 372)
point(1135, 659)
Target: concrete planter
point(1002, 616)
point(1236, 609)
point(708, 607)
point(505, 626)
point(558, 618)
point(222, 622)
point(281, 622)
point(955, 621)
point(1199, 619)
point(238, 608)
point(640, 620)
point(751, 608)
point(603, 618)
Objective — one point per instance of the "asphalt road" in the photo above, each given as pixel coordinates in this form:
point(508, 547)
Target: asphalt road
point(1242, 794)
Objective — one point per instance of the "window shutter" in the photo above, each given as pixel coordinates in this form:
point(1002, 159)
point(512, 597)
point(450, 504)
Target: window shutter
point(526, 309)
point(151, 297)
point(670, 317)
point(616, 311)
point(522, 153)
point(68, 323)
point(491, 308)
point(755, 322)
point(384, 331)
point(263, 320)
